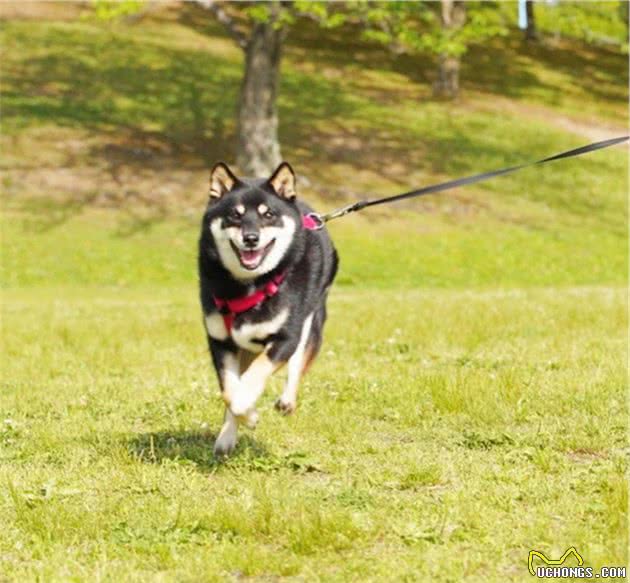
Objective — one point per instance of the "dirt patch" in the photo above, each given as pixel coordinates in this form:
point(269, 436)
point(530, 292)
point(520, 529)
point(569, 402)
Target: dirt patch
point(21, 10)
point(591, 129)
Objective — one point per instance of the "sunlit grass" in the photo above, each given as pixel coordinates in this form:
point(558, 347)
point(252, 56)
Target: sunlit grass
point(438, 430)
point(400, 252)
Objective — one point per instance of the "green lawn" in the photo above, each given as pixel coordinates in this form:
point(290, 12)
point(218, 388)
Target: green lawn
point(441, 435)
point(470, 401)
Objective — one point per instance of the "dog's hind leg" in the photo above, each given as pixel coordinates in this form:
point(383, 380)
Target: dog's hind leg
point(287, 402)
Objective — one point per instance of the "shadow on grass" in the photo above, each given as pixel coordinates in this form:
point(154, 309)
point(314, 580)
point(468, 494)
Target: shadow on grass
point(159, 107)
point(507, 67)
point(195, 447)
point(45, 214)
point(138, 211)
point(500, 65)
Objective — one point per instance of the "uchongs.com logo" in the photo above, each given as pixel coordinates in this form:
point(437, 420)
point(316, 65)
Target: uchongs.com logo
point(555, 568)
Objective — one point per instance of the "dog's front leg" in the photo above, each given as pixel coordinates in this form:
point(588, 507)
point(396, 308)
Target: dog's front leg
point(227, 367)
point(226, 440)
point(252, 385)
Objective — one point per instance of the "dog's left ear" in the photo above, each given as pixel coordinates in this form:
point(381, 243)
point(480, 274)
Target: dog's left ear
point(283, 181)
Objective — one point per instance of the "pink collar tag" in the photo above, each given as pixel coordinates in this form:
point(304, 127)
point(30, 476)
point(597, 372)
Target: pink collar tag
point(309, 223)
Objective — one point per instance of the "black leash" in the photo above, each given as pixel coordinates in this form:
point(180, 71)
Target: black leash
point(361, 204)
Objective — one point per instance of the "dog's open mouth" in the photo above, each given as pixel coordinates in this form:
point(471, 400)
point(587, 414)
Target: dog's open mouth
point(252, 258)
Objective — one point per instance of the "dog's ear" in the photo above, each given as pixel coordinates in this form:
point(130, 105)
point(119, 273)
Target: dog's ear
point(283, 181)
point(221, 180)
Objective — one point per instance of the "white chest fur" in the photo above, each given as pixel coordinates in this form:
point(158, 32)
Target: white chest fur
point(215, 326)
point(245, 334)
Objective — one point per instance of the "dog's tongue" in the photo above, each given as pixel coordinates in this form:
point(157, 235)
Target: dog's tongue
point(251, 258)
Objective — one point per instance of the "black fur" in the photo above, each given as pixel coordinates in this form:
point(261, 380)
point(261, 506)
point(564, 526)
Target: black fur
point(310, 265)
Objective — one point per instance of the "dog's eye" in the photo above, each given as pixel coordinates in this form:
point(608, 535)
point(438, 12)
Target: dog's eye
point(234, 214)
point(269, 214)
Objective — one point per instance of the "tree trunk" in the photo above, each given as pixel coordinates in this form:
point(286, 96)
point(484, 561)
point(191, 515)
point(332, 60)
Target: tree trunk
point(447, 84)
point(530, 31)
point(453, 18)
point(258, 147)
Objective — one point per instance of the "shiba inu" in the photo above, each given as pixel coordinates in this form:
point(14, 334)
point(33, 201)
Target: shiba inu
point(264, 276)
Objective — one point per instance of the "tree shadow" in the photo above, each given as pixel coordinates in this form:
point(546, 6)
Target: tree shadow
point(187, 108)
point(46, 214)
point(504, 67)
point(151, 108)
point(138, 211)
point(498, 65)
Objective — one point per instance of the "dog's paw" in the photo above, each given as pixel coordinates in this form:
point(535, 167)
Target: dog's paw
point(285, 407)
point(225, 444)
point(250, 420)
point(241, 405)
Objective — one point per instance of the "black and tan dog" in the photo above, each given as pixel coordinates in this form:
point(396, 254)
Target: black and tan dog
point(264, 273)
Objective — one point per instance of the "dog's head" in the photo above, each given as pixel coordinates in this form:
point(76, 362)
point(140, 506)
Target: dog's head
point(251, 223)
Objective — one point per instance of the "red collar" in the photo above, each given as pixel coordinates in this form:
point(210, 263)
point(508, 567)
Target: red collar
point(230, 308)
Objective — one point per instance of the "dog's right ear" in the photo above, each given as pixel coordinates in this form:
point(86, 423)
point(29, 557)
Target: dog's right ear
point(221, 180)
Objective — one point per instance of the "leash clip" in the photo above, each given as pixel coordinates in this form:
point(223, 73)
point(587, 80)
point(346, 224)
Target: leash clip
point(344, 210)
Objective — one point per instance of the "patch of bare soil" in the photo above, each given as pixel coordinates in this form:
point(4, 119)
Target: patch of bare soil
point(594, 130)
point(60, 172)
point(33, 10)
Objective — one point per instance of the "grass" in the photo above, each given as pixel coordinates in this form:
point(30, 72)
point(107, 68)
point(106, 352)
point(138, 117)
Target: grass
point(440, 436)
point(470, 401)
point(413, 251)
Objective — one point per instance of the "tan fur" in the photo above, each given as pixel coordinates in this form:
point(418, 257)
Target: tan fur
point(283, 181)
point(242, 402)
point(221, 180)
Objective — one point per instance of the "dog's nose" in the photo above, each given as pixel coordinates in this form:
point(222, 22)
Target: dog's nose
point(251, 239)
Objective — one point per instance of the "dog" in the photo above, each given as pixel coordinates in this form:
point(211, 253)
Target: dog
point(265, 268)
